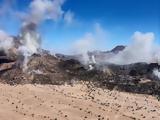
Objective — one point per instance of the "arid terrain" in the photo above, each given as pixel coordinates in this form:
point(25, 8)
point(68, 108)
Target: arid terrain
point(45, 86)
point(65, 102)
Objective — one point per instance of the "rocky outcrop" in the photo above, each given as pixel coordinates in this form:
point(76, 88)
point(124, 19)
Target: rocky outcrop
point(118, 49)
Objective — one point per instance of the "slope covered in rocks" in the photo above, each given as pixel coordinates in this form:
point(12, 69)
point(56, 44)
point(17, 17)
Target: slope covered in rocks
point(44, 68)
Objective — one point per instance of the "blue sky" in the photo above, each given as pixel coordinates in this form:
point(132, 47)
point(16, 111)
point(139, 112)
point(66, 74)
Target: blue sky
point(119, 18)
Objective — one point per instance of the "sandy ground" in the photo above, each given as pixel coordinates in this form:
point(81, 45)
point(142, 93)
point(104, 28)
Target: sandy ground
point(37, 102)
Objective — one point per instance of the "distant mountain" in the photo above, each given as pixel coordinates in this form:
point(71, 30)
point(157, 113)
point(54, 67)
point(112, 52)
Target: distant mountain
point(118, 48)
point(99, 55)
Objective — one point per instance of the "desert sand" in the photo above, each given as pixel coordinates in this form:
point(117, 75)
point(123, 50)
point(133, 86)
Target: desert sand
point(65, 102)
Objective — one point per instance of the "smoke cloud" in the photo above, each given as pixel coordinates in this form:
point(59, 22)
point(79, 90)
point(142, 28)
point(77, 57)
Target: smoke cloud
point(90, 42)
point(141, 50)
point(30, 38)
point(156, 72)
point(6, 42)
point(39, 11)
point(83, 45)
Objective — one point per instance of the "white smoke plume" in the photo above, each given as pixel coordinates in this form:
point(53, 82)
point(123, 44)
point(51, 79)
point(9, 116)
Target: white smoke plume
point(83, 45)
point(90, 42)
point(6, 42)
point(24, 51)
point(39, 11)
point(156, 57)
point(30, 38)
point(31, 42)
point(156, 72)
point(141, 50)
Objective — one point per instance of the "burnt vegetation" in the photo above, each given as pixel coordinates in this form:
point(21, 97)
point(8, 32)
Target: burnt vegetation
point(44, 68)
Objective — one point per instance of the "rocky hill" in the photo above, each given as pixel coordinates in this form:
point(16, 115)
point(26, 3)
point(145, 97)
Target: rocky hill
point(44, 68)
